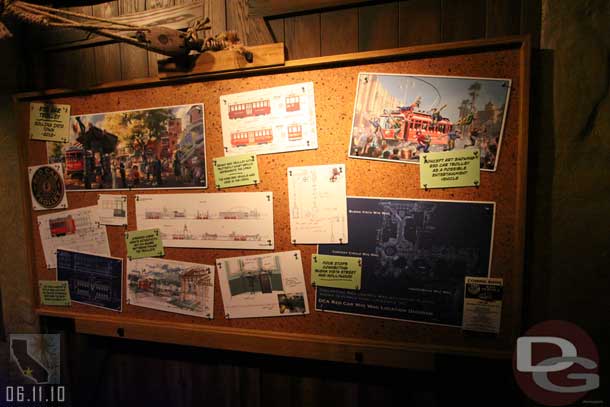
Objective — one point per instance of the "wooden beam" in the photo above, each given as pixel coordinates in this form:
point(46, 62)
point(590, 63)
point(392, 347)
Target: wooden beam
point(290, 65)
point(265, 8)
point(359, 351)
point(221, 61)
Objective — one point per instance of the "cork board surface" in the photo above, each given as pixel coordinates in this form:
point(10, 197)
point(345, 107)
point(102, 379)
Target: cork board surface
point(335, 90)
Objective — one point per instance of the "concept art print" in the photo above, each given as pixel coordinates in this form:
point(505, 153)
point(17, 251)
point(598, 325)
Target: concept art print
point(163, 147)
point(399, 117)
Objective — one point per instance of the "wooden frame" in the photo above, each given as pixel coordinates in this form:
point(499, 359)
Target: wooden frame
point(417, 351)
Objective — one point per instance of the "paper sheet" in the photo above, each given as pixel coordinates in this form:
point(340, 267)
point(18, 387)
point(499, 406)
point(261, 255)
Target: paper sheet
point(415, 254)
point(229, 220)
point(76, 229)
point(318, 211)
point(269, 120)
point(112, 209)
point(172, 286)
point(263, 285)
point(483, 304)
point(94, 280)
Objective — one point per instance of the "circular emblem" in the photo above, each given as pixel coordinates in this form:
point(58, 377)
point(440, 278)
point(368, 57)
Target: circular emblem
point(47, 187)
point(556, 363)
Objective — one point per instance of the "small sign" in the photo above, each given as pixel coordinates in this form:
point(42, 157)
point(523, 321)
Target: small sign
point(55, 293)
point(483, 304)
point(50, 122)
point(336, 271)
point(144, 243)
point(47, 187)
point(450, 169)
point(236, 171)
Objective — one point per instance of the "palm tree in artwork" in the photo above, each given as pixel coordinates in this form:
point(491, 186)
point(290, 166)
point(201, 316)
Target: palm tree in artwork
point(473, 92)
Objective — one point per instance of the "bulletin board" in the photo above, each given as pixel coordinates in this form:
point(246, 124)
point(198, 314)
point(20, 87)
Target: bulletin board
point(318, 335)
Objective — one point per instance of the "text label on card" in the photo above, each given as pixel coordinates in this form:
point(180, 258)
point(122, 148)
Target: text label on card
point(50, 122)
point(450, 169)
point(144, 243)
point(336, 271)
point(235, 171)
point(55, 293)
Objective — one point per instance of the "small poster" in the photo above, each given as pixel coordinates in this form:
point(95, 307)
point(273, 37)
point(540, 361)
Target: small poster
point(143, 243)
point(54, 293)
point(267, 121)
point(236, 171)
point(93, 279)
point(47, 187)
point(317, 196)
point(226, 220)
point(76, 229)
point(172, 286)
point(158, 148)
point(112, 209)
point(415, 255)
point(399, 117)
point(269, 285)
point(450, 169)
point(336, 271)
point(483, 304)
point(49, 122)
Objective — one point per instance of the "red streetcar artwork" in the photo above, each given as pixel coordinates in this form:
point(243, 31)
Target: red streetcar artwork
point(247, 138)
point(404, 126)
point(241, 110)
point(62, 226)
point(295, 132)
point(293, 103)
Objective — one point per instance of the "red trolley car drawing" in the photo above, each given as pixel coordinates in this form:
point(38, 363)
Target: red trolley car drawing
point(246, 138)
point(404, 127)
point(62, 226)
point(295, 132)
point(241, 110)
point(293, 103)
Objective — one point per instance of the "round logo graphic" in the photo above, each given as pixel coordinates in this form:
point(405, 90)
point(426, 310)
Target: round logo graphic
point(556, 363)
point(47, 187)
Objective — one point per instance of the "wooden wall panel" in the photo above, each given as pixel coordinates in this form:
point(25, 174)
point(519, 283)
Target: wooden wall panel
point(107, 57)
point(153, 57)
point(134, 60)
point(339, 32)
point(463, 20)
point(419, 22)
point(502, 18)
point(378, 26)
point(302, 36)
point(276, 26)
point(216, 11)
point(251, 30)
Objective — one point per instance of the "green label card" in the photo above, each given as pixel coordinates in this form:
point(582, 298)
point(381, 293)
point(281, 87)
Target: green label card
point(50, 122)
point(449, 169)
point(336, 271)
point(235, 171)
point(56, 293)
point(144, 243)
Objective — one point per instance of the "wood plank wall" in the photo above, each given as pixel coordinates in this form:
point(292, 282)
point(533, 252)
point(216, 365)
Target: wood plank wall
point(370, 26)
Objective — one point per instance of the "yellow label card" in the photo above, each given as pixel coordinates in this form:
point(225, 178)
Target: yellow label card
point(50, 122)
point(450, 169)
point(336, 271)
point(54, 293)
point(235, 171)
point(144, 243)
